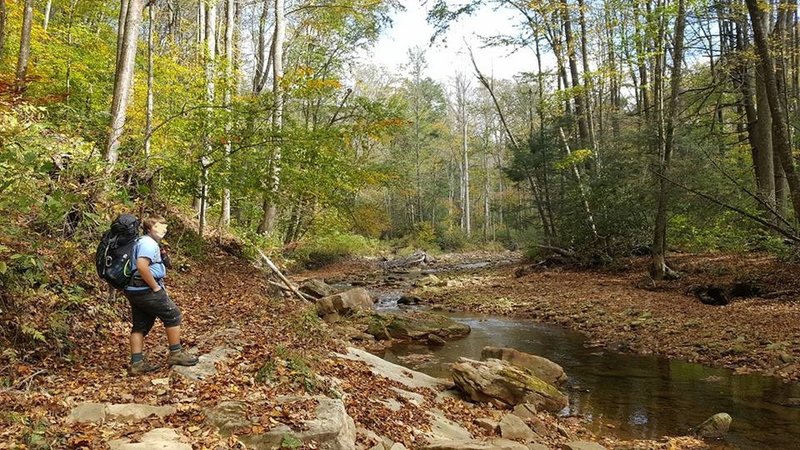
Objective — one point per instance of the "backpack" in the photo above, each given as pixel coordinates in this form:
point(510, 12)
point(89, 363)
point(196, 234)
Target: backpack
point(113, 258)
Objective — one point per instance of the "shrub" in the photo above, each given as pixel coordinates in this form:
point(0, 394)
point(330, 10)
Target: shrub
point(333, 247)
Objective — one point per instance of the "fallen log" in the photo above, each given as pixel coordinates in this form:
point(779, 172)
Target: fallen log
point(275, 269)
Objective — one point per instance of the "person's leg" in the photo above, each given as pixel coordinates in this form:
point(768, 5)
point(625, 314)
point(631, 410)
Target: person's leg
point(142, 324)
point(171, 317)
point(137, 342)
point(173, 335)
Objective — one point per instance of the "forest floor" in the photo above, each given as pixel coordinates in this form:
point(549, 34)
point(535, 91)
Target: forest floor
point(623, 309)
point(229, 304)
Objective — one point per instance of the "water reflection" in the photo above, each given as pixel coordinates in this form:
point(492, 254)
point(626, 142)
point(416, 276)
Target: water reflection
point(640, 397)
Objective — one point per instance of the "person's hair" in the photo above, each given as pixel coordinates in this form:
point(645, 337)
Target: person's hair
point(151, 221)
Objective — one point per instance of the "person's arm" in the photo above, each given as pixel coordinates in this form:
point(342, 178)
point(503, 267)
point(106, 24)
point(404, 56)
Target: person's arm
point(143, 266)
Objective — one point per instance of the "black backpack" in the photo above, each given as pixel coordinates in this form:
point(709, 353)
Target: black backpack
point(114, 254)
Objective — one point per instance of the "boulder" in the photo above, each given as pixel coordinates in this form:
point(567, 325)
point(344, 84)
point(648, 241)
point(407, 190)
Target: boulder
point(316, 288)
point(435, 340)
point(487, 424)
point(498, 382)
point(715, 426)
point(159, 438)
point(542, 368)
point(512, 427)
point(415, 326)
point(345, 303)
point(409, 300)
point(330, 429)
point(228, 416)
point(525, 411)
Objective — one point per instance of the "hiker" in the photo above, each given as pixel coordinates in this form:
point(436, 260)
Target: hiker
point(149, 300)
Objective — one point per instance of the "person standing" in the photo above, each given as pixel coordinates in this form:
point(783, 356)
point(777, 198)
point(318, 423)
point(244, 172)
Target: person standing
point(149, 301)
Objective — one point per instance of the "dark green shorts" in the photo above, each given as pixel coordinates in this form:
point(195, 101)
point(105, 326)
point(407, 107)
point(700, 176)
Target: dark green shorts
point(149, 306)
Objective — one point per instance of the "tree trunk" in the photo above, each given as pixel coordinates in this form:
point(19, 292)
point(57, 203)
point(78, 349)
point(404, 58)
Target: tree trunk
point(148, 126)
point(486, 210)
point(465, 161)
point(3, 20)
point(229, 59)
point(25, 45)
point(780, 128)
point(659, 267)
point(584, 196)
point(641, 57)
point(124, 77)
point(47, 8)
point(587, 79)
point(210, 66)
point(271, 208)
point(123, 15)
point(263, 56)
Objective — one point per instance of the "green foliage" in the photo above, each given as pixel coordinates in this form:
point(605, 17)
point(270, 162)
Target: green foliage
point(452, 239)
point(334, 246)
point(421, 237)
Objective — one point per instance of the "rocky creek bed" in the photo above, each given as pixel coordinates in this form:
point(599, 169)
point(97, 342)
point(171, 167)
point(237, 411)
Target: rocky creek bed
point(632, 317)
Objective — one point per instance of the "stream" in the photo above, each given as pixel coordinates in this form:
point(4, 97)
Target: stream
point(624, 395)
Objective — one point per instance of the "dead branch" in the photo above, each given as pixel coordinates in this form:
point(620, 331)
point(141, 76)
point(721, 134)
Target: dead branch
point(275, 269)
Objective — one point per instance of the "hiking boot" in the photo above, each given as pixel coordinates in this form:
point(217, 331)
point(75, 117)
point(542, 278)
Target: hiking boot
point(181, 358)
point(141, 367)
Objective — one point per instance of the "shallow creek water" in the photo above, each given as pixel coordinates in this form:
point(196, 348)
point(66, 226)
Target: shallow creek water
point(630, 396)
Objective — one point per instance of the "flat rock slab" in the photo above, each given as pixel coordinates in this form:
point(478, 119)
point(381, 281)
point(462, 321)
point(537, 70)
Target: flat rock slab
point(134, 412)
point(582, 445)
point(330, 429)
point(88, 412)
point(157, 439)
point(123, 413)
point(492, 444)
point(206, 368)
point(444, 429)
point(394, 372)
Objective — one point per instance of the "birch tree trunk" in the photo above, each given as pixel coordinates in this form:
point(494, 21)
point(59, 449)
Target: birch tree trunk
point(210, 63)
point(462, 88)
point(47, 15)
point(148, 125)
point(263, 55)
point(230, 7)
point(124, 77)
point(24, 45)
point(486, 190)
point(659, 267)
point(123, 15)
point(270, 205)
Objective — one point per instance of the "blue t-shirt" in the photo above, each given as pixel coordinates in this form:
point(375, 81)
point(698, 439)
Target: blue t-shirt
point(147, 247)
